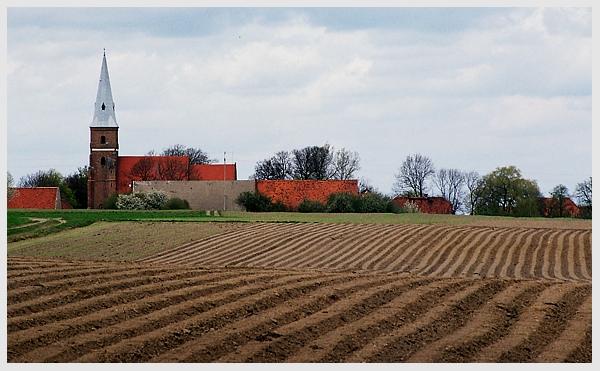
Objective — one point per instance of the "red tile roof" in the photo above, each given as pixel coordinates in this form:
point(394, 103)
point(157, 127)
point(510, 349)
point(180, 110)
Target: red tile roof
point(214, 172)
point(197, 172)
point(35, 198)
point(427, 205)
point(569, 208)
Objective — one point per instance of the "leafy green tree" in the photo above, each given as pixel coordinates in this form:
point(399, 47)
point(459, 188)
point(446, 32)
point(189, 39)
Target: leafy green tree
point(50, 178)
point(505, 192)
point(77, 182)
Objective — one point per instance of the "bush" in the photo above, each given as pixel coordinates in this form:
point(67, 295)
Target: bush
point(155, 200)
point(176, 203)
point(254, 201)
point(142, 201)
point(410, 208)
point(311, 206)
point(393, 208)
point(342, 203)
point(130, 202)
point(373, 203)
point(277, 206)
point(111, 202)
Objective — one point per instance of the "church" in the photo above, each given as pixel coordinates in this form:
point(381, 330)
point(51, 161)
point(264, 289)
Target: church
point(206, 186)
point(109, 173)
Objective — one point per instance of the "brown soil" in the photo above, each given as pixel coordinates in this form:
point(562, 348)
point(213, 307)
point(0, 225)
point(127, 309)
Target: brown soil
point(263, 292)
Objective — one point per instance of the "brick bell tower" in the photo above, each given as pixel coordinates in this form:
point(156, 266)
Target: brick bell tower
point(104, 144)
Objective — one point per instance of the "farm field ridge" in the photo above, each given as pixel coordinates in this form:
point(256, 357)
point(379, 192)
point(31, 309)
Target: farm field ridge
point(301, 292)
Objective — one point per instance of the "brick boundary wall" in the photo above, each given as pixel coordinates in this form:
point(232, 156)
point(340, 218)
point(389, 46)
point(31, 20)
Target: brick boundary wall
point(293, 192)
point(209, 195)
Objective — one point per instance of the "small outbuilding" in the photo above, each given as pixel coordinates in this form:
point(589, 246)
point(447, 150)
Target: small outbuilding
point(426, 204)
point(37, 198)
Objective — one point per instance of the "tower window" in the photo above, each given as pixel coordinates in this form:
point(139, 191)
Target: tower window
point(103, 139)
point(103, 161)
point(103, 106)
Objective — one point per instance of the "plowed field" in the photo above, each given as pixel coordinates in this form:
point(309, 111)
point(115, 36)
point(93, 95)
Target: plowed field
point(315, 292)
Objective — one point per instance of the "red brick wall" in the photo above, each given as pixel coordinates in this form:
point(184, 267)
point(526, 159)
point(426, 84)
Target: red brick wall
point(292, 192)
point(427, 205)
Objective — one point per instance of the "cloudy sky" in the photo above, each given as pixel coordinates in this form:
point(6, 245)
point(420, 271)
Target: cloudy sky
point(470, 88)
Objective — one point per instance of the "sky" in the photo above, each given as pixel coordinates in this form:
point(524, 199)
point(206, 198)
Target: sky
point(472, 89)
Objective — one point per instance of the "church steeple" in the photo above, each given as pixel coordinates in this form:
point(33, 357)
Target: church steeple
point(104, 108)
point(104, 145)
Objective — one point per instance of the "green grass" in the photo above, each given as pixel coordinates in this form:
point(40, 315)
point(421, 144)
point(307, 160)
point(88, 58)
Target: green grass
point(60, 220)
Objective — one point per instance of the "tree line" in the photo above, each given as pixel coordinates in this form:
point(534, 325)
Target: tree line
point(502, 192)
point(309, 163)
point(148, 168)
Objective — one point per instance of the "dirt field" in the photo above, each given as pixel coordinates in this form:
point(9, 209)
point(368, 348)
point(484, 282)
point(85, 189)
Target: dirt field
point(298, 292)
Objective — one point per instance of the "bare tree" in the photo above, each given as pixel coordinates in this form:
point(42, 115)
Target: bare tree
point(344, 164)
point(583, 193)
point(196, 156)
point(472, 181)
point(11, 191)
point(171, 169)
point(278, 167)
point(365, 186)
point(313, 163)
point(413, 174)
point(145, 169)
point(450, 183)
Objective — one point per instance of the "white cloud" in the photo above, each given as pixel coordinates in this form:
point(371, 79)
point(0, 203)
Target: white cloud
point(258, 85)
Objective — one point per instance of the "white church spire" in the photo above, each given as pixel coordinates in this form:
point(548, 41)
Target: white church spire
point(104, 108)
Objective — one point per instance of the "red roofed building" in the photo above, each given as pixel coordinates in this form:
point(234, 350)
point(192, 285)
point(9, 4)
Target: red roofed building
point(426, 205)
point(36, 198)
point(148, 168)
point(214, 172)
point(110, 173)
point(553, 210)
